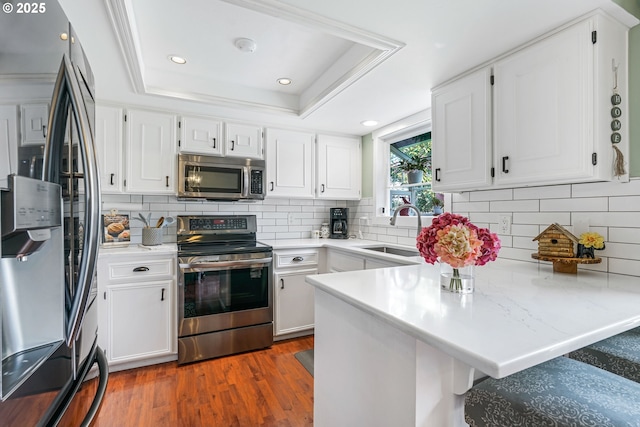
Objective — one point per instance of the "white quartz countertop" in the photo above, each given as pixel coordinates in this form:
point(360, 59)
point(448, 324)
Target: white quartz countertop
point(521, 314)
point(137, 249)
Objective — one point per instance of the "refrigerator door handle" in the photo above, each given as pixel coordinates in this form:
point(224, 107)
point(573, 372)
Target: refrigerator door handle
point(67, 93)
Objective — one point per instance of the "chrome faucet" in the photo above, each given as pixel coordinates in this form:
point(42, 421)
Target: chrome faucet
point(392, 221)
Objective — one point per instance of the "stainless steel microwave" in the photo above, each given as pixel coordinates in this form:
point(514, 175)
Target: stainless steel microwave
point(220, 178)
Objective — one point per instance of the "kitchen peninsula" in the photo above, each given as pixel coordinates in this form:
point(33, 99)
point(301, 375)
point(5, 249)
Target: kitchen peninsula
point(391, 348)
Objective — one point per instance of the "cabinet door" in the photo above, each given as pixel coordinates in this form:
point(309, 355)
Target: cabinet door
point(140, 324)
point(339, 261)
point(289, 160)
point(243, 141)
point(461, 133)
point(109, 132)
point(293, 301)
point(151, 150)
point(339, 168)
point(200, 136)
point(544, 110)
point(34, 123)
point(8, 142)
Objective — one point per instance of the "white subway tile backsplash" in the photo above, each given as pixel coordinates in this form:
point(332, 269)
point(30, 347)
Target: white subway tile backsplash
point(629, 203)
point(525, 230)
point(515, 206)
point(562, 218)
point(606, 189)
point(624, 266)
point(491, 195)
point(585, 204)
point(549, 192)
point(473, 206)
point(624, 235)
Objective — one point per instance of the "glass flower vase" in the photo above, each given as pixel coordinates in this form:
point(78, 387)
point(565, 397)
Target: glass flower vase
point(458, 280)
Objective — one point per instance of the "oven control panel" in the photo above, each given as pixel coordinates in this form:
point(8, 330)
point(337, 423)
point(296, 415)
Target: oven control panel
point(203, 224)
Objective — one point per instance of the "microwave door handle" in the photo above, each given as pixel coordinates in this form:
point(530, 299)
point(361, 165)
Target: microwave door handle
point(245, 181)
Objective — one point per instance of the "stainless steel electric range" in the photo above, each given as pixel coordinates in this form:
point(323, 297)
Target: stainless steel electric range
point(225, 296)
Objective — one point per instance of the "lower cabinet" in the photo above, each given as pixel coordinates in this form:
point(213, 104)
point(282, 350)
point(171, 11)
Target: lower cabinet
point(136, 308)
point(140, 321)
point(294, 302)
point(293, 296)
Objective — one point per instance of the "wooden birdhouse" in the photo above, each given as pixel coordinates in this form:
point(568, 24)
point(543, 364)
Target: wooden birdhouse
point(556, 241)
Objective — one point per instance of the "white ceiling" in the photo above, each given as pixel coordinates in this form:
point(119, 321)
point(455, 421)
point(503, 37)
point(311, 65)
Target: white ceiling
point(349, 60)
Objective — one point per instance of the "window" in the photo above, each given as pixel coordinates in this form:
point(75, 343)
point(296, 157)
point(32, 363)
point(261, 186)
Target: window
point(410, 173)
point(407, 139)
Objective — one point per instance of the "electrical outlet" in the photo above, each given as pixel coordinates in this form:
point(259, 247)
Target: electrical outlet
point(505, 224)
point(291, 219)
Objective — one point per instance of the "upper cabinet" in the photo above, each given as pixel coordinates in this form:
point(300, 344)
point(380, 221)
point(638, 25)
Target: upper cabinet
point(289, 158)
point(151, 147)
point(339, 161)
point(243, 140)
point(461, 117)
point(554, 112)
point(200, 135)
point(34, 123)
point(109, 132)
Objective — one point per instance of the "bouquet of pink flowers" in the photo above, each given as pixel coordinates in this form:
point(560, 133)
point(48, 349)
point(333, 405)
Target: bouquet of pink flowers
point(454, 240)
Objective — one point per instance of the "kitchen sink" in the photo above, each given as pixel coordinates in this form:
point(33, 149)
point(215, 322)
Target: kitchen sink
point(394, 251)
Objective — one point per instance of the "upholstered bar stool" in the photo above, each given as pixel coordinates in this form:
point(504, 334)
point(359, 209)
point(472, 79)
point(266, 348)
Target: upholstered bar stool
point(561, 392)
point(619, 354)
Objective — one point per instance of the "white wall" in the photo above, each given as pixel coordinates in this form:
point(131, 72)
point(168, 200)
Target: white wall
point(272, 215)
point(609, 208)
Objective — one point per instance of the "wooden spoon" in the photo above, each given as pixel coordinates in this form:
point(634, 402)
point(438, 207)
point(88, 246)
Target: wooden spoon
point(160, 221)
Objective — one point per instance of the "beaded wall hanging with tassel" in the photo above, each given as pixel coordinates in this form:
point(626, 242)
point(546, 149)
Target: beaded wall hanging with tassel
point(616, 125)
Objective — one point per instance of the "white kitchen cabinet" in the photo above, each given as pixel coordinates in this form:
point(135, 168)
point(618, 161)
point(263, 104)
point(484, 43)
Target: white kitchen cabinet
point(34, 120)
point(199, 135)
point(289, 160)
point(136, 308)
point(293, 297)
point(8, 142)
point(150, 144)
point(338, 261)
point(243, 140)
point(294, 302)
point(552, 106)
point(140, 324)
point(109, 148)
point(461, 133)
point(551, 114)
point(339, 168)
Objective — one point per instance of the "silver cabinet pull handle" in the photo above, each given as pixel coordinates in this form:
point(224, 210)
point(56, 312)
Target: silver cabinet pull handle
point(281, 283)
point(214, 143)
point(162, 296)
point(322, 188)
point(167, 181)
point(233, 143)
point(112, 175)
point(272, 186)
point(297, 259)
point(140, 269)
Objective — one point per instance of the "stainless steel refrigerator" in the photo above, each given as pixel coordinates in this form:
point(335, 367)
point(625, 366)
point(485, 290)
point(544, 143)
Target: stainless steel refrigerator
point(49, 217)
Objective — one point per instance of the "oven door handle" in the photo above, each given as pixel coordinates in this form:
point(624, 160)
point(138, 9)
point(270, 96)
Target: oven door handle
point(221, 265)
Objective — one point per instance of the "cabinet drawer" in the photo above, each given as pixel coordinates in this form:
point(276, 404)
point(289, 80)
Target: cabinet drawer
point(156, 268)
point(296, 258)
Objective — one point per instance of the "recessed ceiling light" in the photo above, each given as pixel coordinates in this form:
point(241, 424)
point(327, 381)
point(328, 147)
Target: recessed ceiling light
point(64, 36)
point(284, 81)
point(177, 59)
point(369, 123)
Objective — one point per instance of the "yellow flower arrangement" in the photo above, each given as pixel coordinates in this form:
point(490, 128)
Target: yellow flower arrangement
point(592, 240)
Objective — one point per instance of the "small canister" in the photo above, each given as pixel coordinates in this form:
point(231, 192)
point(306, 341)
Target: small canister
point(324, 230)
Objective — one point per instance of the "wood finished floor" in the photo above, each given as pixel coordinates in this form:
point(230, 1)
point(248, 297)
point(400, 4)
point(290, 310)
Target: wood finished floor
point(260, 388)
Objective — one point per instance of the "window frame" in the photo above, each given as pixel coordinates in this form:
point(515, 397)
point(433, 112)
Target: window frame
point(416, 124)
